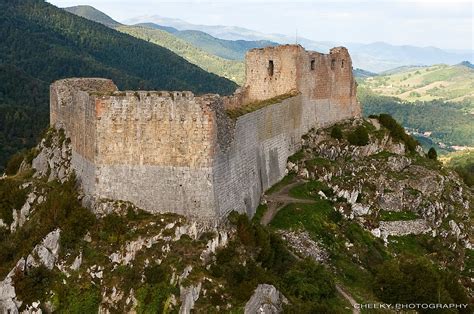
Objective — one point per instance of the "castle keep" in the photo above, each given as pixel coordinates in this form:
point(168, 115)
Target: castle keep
point(177, 152)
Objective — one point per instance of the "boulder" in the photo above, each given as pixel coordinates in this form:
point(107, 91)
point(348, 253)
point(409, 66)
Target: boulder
point(265, 299)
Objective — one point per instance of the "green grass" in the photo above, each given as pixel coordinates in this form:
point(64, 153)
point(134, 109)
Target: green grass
point(297, 156)
point(282, 183)
point(396, 216)
point(318, 162)
point(324, 224)
point(237, 112)
point(319, 219)
point(261, 209)
point(409, 244)
point(469, 263)
point(309, 190)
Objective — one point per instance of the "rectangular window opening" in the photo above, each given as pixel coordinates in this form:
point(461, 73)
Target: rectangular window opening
point(312, 65)
point(270, 67)
point(333, 64)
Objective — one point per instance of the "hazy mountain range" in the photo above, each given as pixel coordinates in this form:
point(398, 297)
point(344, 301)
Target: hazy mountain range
point(375, 57)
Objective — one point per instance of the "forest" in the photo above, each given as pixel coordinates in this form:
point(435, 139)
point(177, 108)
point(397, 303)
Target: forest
point(449, 122)
point(42, 43)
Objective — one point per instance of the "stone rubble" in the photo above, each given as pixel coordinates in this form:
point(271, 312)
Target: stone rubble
point(303, 245)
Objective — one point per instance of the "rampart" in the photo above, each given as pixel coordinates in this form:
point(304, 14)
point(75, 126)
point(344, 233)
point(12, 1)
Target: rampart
point(176, 152)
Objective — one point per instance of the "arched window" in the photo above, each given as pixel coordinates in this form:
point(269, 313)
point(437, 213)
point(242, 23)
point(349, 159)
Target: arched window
point(270, 67)
point(342, 64)
point(333, 64)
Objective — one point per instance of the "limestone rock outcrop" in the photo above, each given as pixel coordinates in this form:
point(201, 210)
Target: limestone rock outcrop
point(265, 299)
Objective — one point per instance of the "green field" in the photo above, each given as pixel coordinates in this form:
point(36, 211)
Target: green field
point(454, 83)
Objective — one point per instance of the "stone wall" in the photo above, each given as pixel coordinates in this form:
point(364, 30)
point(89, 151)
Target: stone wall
point(176, 152)
point(155, 149)
point(262, 142)
point(72, 108)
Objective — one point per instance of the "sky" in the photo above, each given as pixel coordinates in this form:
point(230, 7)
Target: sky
point(445, 24)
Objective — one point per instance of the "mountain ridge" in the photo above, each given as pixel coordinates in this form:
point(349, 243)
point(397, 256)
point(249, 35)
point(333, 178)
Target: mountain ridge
point(91, 13)
point(366, 56)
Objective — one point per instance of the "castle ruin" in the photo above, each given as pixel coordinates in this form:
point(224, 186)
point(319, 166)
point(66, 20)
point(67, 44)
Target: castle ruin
point(177, 152)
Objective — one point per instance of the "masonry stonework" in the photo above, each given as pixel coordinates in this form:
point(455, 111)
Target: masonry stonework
point(177, 152)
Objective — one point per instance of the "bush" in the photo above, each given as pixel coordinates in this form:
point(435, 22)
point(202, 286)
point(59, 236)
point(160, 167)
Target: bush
point(33, 284)
point(14, 164)
point(397, 131)
point(11, 197)
point(416, 280)
point(432, 154)
point(155, 274)
point(309, 281)
point(336, 133)
point(78, 300)
point(359, 137)
point(154, 298)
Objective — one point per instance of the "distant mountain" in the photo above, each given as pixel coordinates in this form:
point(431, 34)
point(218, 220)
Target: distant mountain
point(359, 73)
point(168, 29)
point(91, 13)
point(44, 43)
point(231, 69)
point(405, 68)
point(467, 64)
point(228, 49)
point(453, 83)
point(374, 57)
point(377, 56)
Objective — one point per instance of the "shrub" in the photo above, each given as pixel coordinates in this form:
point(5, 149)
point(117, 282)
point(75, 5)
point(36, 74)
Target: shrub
point(33, 284)
point(14, 164)
point(309, 281)
point(336, 132)
point(397, 131)
point(155, 274)
point(75, 227)
point(359, 136)
point(78, 300)
point(11, 197)
point(432, 154)
point(416, 280)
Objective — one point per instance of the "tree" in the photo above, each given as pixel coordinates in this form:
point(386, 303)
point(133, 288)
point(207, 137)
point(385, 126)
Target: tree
point(359, 137)
point(432, 154)
point(336, 132)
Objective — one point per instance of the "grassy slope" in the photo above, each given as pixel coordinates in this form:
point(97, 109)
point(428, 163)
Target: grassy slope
point(454, 83)
point(354, 265)
point(233, 70)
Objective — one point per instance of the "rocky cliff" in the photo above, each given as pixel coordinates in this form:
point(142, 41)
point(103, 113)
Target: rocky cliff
point(357, 203)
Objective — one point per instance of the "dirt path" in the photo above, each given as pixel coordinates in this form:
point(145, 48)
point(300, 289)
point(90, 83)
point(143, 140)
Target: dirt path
point(349, 298)
point(280, 199)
